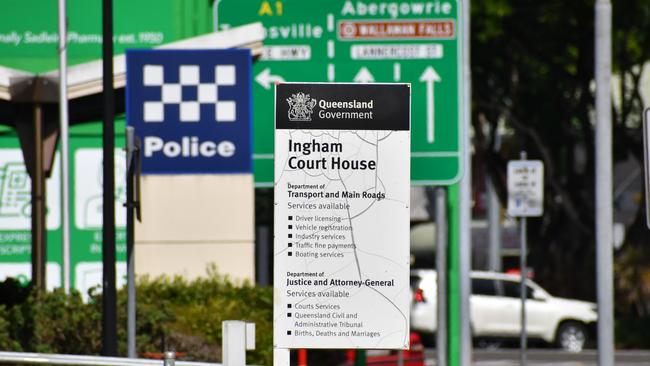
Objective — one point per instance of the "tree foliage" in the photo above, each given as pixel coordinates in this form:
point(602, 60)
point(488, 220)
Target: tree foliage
point(533, 89)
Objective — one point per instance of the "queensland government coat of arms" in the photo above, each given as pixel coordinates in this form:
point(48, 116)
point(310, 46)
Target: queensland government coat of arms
point(301, 107)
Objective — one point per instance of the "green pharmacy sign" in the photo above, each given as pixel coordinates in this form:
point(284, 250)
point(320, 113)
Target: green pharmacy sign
point(86, 211)
point(29, 28)
point(29, 41)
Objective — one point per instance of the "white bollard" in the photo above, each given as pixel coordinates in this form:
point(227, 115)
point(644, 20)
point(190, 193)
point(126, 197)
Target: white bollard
point(169, 358)
point(250, 336)
point(238, 336)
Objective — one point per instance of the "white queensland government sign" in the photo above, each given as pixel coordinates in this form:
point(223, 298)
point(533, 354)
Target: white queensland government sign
point(342, 184)
point(525, 188)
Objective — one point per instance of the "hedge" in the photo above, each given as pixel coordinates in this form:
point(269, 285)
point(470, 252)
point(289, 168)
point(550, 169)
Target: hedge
point(172, 313)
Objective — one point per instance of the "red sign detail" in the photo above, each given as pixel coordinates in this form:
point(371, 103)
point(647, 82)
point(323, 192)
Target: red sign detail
point(397, 29)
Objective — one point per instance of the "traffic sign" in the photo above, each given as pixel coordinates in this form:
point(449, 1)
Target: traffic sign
point(415, 42)
point(342, 216)
point(191, 108)
point(525, 188)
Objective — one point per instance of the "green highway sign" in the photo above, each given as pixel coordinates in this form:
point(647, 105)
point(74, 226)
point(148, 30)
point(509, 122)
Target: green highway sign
point(416, 41)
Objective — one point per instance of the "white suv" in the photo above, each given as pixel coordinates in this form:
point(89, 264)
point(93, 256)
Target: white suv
point(495, 310)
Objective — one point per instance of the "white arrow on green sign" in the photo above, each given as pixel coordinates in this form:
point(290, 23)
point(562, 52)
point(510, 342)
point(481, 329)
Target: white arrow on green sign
point(364, 76)
point(265, 79)
point(362, 41)
point(430, 76)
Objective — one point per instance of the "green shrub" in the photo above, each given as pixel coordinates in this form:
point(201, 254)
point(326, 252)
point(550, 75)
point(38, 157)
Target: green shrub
point(633, 333)
point(6, 340)
point(63, 323)
point(206, 319)
point(50, 322)
point(171, 313)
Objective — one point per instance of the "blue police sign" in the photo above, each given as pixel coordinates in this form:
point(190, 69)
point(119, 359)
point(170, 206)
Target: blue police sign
point(191, 109)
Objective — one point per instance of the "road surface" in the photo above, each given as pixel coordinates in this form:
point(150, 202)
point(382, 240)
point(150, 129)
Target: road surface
point(510, 357)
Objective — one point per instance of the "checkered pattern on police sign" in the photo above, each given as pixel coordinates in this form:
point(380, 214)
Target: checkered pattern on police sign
point(189, 110)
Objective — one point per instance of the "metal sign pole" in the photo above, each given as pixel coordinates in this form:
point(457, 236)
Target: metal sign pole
point(523, 253)
point(130, 238)
point(441, 271)
point(523, 340)
point(525, 198)
point(494, 228)
point(360, 357)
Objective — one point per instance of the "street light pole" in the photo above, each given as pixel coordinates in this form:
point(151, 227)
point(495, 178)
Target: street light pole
point(109, 293)
point(604, 211)
point(465, 240)
point(63, 123)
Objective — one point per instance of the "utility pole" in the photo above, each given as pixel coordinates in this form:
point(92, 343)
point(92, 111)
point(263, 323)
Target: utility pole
point(604, 210)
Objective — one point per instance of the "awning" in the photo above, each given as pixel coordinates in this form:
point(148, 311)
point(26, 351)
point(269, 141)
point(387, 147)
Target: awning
point(6, 74)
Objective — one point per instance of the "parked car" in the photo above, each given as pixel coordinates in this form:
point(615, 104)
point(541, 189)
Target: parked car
point(495, 310)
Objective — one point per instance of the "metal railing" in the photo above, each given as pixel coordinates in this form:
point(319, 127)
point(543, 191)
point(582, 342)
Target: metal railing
point(22, 358)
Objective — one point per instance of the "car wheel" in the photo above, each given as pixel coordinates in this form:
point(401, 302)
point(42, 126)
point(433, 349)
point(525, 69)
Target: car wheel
point(571, 336)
